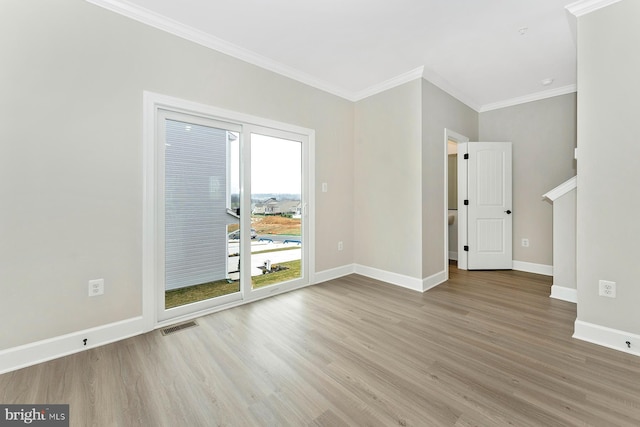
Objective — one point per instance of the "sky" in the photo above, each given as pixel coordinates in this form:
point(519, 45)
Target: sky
point(276, 165)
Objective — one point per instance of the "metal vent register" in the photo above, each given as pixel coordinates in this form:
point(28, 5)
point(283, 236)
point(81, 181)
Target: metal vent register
point(176, 328)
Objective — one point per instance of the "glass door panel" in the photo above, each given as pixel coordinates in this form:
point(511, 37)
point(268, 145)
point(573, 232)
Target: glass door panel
point(276, 210)
point(200, 214)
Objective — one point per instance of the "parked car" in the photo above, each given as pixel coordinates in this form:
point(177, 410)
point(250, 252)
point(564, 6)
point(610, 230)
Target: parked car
point(235, 235)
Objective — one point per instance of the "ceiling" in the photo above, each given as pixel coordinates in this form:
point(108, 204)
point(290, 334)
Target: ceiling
point(486, 53)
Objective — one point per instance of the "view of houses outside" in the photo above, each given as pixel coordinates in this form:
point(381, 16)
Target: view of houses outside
point(201, 190)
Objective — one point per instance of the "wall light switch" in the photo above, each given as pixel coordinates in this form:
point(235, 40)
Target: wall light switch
point(325, 187)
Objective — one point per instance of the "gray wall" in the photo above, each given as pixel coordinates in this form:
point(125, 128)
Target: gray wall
point(608, 199)
point(544, 137)
point(564, 240)
point(71, 160)
point(388, 231)
point(439, 111)
point(71, 80)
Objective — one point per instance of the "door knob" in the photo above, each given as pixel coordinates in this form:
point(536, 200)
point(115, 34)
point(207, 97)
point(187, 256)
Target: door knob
point(508, 211)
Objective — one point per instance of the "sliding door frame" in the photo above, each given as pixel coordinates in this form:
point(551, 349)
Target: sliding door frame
point(152, 104)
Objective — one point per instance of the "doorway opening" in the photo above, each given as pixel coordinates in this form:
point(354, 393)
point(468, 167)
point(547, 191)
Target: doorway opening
point(452, 223)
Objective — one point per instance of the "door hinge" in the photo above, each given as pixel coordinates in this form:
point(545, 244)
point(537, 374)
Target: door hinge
point(466, 202)
point(466, 156)
point(466, 248)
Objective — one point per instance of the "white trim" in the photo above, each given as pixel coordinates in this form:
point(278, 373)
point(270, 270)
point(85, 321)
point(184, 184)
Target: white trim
point(582, 7)
point(563, 293)
point(607, 337)
point(441, 83)
point(528, 98)
point(152, 102)
point(531, 267)
point(389, 84)
point(458, 139)
point(51, 348)
point(463, 222)
point(334, 273)
point(202, 38)
point(561, 189)
point(453, 255)
point(435, 280)
point(391, 278)
point(402, 280)
point(186, 32)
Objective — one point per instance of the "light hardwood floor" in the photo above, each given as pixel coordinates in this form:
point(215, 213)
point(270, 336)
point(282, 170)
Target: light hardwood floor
point(486, 348)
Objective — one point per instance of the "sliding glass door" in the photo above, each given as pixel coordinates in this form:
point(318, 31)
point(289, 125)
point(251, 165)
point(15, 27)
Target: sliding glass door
point(230, 216)
point(277, 202)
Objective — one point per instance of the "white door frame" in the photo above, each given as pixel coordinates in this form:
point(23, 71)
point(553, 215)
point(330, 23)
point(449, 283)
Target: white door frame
point(152, 102)
point(450, 135)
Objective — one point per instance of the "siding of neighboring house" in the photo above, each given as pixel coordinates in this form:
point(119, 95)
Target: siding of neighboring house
point(196, 215)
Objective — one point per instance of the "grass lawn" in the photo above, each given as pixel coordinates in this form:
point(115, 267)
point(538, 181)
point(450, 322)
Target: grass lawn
point(218, 288)
point(279, 276)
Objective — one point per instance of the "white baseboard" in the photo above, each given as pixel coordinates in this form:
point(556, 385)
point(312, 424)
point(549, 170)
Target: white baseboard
point(402, 280)
point(389, 277)
point(434, 280)
point(530, 267)
point(333, 273)
point(563, 293)
point(42, 351)
point(453, 255)
point(607, 337)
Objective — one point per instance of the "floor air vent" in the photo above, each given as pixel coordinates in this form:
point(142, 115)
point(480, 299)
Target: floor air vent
point(176, 328)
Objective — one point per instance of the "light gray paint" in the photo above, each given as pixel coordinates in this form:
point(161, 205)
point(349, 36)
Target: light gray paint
point(388, 230)
point(71, 81)
point(439, 111)
point(564, 240)
point(608, 152)
point(71, 160)
point(544, 137)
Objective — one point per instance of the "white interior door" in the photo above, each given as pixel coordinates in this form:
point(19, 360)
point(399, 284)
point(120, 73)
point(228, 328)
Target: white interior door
point(488, 205)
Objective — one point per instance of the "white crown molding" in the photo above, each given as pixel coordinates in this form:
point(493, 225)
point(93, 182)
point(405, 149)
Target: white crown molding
point(583, 7)
point(176, 28)
point(186, 32)
point(390, 84)
point(562, 189)
point(529, 98)
point(441, 83)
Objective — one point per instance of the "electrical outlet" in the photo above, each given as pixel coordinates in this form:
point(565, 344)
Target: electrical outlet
point(607, 289)
point(340, 246)
point(96, 287)
point(525, 243)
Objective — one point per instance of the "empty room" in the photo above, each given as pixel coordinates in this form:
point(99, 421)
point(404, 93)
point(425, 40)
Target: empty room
point(282, 213)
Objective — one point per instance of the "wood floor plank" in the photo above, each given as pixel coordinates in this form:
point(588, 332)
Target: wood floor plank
point(483, 349)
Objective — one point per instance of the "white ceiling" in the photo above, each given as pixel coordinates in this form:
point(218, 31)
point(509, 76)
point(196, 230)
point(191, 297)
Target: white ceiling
point(472, 49)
